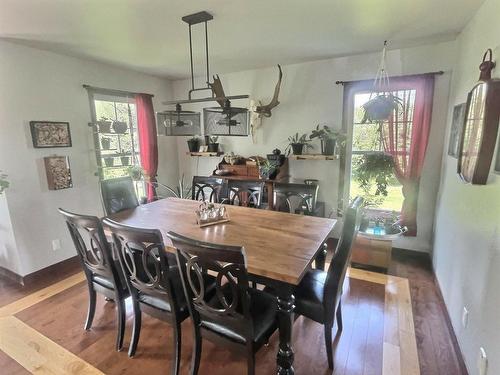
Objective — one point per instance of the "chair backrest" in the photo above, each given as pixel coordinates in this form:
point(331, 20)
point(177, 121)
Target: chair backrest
point(143, 261)
point(245, 193)
point(231, 307)
point(295, 198)
point(340, 261)
point(118, 194)
point(92, 246)
point(210, 189)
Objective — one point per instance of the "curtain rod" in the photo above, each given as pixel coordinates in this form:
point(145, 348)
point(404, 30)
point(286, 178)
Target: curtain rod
point(113, 91)
point(438, 73)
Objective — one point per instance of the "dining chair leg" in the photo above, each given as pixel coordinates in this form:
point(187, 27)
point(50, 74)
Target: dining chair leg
point(251, 363)
point(120, 311)
point(195, 361)
point(339, 316)
point(136, 330)
point(176, 360)
point(328, 344)
point(91, 310)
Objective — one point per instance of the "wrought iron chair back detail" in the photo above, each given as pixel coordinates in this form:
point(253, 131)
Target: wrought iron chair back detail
point(210, 189)
point(245, 193)
point(295, 198)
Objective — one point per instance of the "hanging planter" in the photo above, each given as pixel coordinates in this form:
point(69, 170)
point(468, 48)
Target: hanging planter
point(380, 108)
point(382, 103)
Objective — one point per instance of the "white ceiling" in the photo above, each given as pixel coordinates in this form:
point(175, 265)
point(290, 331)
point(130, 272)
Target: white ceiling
point(149, 36)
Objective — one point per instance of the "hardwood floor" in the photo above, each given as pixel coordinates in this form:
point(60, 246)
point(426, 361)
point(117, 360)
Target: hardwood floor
point(378, 324)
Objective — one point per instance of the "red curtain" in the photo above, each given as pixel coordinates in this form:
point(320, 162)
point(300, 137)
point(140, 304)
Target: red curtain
point(148, 141)
point(405, 137)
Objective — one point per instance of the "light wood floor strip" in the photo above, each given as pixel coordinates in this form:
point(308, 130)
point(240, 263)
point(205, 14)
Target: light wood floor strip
point(38, 354)
point(33, 299)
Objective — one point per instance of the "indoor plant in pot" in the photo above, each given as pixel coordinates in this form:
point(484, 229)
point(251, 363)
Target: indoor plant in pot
point(125, 160)
point(120, 127)
point(212, 144)
point(380, 107)
point(297, 142)
point(193, 144)
point(267, 169)
point(106, 143)
point(330, 138)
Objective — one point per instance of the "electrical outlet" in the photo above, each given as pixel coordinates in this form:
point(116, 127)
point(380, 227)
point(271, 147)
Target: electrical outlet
point(482, 363)
point(56, 245)
point(465, 317)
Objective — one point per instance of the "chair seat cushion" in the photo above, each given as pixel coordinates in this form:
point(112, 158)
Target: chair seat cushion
point(263, 309)
point(107, 281)
point(309, 295)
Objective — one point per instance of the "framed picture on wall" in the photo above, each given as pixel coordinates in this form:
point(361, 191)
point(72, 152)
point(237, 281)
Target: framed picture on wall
point(47, 134)
point(457, 124)
point(58, 172)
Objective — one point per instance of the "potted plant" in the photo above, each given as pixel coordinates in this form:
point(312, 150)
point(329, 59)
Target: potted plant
point(4, 183)
point(267, 169)
point(380, 107)
point(135, 172)
point(330, 138)
point(120, 127)
point(212, 144)
point(109, 161)
point(105, 143)
point(297, 142)
point(125, 160)
point(104, 125)
point(193, 144)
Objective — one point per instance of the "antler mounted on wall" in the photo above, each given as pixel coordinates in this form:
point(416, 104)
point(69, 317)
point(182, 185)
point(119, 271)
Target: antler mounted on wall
point(265, 110)
point(258, 111)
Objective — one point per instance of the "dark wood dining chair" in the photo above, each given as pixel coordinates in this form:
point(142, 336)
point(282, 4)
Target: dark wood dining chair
point(154, 285)
point(118, 194)
point(295, 198)
point(245, 193)
point(237, 316)
point(212, 189)
point(104, 275)
point(319, 294)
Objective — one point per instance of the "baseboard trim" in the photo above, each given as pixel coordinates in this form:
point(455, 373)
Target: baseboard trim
point(34, 277)
point(11, 275)
point(456, 345)
point(52, 269)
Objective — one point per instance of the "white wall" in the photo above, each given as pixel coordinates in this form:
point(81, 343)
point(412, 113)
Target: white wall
point(310, 96)
point(40, 85)
point(9, 257)
point(467, 244)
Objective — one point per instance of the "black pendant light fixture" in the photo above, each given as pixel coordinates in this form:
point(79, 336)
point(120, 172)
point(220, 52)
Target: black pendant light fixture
point(178, 122)
point(225, 120)
point(194, 19)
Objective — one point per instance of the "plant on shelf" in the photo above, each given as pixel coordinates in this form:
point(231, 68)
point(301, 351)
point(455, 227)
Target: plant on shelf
point(4, 183)
point(212, 144)
point(297, 143)
point(374, 168)
point(267, 169)
point(193, 144)
point(330, 138)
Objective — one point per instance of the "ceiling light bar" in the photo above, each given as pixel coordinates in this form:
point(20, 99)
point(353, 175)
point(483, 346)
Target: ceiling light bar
point(194, 19)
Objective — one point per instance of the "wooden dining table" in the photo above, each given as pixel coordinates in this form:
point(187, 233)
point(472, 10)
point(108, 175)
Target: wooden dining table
point(280, 248)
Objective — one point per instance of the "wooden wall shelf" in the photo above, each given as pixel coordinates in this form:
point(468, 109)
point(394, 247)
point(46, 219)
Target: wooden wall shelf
point(206, 154)
point(313, 157)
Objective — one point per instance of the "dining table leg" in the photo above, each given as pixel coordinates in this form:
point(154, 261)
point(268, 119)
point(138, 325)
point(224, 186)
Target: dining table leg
point(286, 307)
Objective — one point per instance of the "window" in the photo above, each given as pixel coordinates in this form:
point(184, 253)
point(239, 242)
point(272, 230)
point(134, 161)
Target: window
point(116, 149)
point(367, 138)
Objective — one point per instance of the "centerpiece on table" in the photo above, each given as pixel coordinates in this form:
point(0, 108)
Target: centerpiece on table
point(209, 213)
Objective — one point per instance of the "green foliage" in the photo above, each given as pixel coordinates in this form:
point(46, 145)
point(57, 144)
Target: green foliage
point(374, 168)
point(326, 132)
point(135, 172)
point(4, 184)
point(380, 107)
point(298, 139)
point(266, 168)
